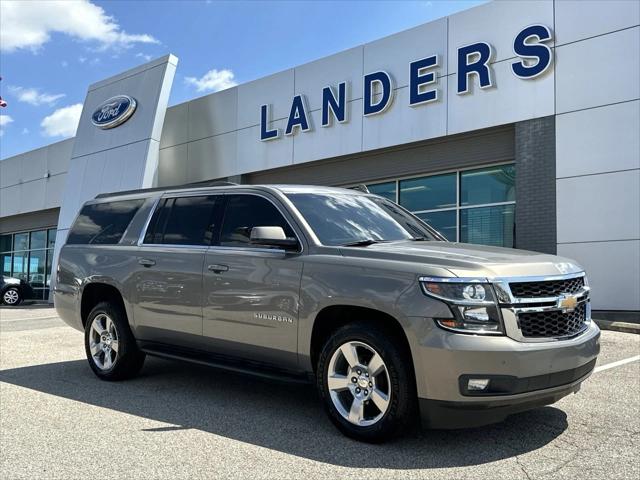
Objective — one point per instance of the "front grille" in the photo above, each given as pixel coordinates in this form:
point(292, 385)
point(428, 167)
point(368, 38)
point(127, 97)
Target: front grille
point(553, 323)
point(551, 288)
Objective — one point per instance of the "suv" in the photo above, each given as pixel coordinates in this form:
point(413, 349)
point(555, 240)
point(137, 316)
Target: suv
point(337, 286)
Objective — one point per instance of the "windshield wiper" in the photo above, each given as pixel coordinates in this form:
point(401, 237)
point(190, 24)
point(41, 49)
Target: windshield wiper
point(419, 239)
point(362, 243)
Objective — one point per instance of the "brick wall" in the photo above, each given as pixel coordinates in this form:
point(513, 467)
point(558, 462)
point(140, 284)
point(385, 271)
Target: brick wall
point(535, 149)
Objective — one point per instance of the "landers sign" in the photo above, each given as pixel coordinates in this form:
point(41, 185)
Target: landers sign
point(535, 57)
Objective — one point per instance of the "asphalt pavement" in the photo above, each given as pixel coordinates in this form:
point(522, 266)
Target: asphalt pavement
point(178, 420)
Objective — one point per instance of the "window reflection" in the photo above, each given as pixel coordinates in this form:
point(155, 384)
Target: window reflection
point(442, 201)
point(341, 219)
point(38, 239)
point(21, 241)
point(444, 222)
point(103, 223)
point(28, 256)
point(386, 190)
point(488, 225)
point(428, 193)
point(488, 185)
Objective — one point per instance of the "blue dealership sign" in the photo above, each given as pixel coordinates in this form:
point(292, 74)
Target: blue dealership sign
point(114, 112)
point(532, 56)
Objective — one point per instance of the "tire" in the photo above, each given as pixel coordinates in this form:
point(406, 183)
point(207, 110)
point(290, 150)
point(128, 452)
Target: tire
point(12, 296)
point(377, 406)
point(111, 349)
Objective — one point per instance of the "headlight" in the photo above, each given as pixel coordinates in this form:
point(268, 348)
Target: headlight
point(472, 301)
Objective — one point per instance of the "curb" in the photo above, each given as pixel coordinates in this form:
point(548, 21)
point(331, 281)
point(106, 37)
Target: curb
point(625, 327)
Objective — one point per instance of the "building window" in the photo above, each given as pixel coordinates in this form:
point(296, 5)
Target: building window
point(28, 256)
point(471, 206)
point(386, 190)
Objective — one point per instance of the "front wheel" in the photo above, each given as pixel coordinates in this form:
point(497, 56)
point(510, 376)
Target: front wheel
point(12, 296)
point(109, 344)
point(365, 378)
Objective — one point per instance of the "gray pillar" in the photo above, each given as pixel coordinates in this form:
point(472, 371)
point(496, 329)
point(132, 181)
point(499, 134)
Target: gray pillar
point(535, 146)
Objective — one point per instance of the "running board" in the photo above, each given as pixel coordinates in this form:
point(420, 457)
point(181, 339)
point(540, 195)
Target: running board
point(221, 362)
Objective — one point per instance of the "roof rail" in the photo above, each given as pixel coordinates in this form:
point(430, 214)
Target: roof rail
point(205, 183)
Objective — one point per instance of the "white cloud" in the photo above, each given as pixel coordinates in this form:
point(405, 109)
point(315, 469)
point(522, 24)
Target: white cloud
point(30, 24)
point(64, 63)
point(33, 96)
point(212, 81)
point(144, 56)
point(4, 121)
point(25, 131)
point(63, 122)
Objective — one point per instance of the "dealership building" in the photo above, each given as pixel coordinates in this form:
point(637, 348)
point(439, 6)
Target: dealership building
point(513, 124)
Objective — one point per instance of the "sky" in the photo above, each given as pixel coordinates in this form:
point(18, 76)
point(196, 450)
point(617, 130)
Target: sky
point(51, 51)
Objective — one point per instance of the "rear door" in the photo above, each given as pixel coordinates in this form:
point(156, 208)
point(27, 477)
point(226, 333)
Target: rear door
point(252, 294)
point(168, 279)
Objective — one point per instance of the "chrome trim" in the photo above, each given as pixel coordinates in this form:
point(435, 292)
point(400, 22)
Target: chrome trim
point(176, 246)
point(512, 328)
point(584, 291)
point(545, 308)
point(538, 278)
point(143, 231)
point(453, 301)
point(207, 247)
point(453, 279)
point(510, 306)
point(225, 248)
point(499, 333)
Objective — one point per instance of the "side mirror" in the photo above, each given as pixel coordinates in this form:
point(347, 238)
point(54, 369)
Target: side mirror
point(272, 237)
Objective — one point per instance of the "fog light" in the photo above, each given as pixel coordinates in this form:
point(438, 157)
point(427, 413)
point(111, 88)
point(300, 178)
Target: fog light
point(476, 384)
point(479, 314)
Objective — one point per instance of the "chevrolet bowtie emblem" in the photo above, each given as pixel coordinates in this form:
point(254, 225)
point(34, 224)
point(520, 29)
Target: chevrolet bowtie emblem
point(567, 302)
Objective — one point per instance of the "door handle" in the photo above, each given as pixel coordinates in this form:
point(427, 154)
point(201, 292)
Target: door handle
point(218, 268)
point(146, 262)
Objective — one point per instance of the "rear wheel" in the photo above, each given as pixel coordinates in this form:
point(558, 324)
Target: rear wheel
point(366, 381)
point(12, 296)
point(109, 344)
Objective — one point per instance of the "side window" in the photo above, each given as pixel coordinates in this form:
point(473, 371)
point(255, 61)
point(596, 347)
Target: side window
point(244, 212)
point(103, 223)
point(183, 221)
point(158, 221)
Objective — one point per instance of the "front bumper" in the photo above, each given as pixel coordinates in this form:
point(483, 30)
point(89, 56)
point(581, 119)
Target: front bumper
point(538, 373)
point(436, 414)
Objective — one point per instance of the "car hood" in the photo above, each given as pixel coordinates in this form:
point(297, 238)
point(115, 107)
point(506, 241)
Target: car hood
point(466, 260)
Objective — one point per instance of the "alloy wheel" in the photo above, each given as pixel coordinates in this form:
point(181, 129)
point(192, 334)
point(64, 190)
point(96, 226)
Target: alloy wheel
point(11, 297)
point(359, 384)
point(103, 342)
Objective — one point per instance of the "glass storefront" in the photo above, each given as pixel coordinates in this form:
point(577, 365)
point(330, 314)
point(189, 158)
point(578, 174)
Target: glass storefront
point(28, 256)
point(471, 206)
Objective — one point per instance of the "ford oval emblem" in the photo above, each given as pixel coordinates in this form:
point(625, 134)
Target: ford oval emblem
point(114, 112)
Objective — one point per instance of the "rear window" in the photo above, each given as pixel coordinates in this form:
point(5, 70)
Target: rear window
point(103, 223)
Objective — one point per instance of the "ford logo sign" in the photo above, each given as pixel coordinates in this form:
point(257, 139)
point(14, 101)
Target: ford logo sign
point(114, 112)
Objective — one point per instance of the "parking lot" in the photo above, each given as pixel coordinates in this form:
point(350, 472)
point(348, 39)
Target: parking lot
point(177, 420)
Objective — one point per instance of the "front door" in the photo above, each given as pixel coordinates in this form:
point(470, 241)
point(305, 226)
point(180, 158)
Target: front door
point(251, 294)
point(167, 285)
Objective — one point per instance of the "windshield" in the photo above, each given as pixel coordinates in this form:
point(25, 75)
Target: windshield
point(343, 219)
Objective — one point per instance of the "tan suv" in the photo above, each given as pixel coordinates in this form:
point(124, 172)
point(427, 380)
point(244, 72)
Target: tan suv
point(336, 286)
